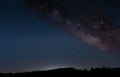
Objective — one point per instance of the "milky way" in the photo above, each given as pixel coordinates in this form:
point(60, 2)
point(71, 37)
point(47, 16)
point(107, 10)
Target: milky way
point(96, 27)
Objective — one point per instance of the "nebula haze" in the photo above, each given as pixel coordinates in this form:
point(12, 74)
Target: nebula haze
point(94, 26)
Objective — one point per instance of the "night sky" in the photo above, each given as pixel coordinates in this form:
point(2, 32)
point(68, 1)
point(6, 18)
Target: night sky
point(32, 42)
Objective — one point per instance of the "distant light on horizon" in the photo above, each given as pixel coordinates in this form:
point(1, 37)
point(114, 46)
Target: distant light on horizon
point(52, 67)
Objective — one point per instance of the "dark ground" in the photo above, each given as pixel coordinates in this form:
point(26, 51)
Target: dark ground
point(67, 72)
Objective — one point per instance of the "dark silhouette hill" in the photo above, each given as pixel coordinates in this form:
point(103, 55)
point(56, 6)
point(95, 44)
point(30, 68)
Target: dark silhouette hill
point(67, 72)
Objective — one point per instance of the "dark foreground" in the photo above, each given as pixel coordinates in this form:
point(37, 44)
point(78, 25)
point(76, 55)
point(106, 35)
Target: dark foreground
point(67, 72)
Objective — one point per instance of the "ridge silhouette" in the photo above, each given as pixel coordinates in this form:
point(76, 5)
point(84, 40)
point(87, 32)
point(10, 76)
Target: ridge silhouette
point(72, 72)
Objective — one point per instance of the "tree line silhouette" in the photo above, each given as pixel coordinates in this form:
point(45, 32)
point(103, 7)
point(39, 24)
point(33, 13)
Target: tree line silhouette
point(61, 72)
